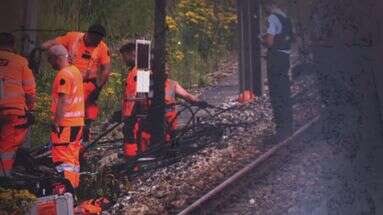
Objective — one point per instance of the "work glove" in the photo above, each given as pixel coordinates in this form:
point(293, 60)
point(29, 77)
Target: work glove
point(202, 104)
point(116, 117)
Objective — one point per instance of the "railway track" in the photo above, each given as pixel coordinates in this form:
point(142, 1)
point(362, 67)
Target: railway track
point(211, 199)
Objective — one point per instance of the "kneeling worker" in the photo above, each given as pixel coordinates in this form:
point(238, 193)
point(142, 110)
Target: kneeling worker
point(67, 115)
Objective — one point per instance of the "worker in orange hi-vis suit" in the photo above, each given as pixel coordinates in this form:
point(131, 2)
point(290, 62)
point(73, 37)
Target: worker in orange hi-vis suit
point(91, 56)
point(67, 115)
point(130, 106)
point(174, 90)
point(17, 101)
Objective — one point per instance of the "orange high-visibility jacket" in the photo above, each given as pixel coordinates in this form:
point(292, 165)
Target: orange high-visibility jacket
point(129, 93)
point(86, 59)
point(170, 99)
point(16, 84)
point(170, 92)
point(68, 81)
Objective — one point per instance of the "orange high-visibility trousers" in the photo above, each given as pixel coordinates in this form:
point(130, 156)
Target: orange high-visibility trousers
point(11, 138)
point(131, 139)
point(66, 145)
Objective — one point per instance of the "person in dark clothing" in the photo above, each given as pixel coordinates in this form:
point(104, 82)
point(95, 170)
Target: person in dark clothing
point(278, 41)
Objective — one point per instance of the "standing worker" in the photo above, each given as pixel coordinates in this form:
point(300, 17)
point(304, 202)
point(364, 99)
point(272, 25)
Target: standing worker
point(129, 105)
point(91, 56)
point(278, 39)
point(67, 115)
point(17, 101)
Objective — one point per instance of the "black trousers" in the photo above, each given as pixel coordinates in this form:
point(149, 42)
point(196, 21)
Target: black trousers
point(278, 65)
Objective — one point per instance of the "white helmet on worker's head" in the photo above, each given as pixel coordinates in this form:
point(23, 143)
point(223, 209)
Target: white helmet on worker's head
point(58, 56)
point(58, 50)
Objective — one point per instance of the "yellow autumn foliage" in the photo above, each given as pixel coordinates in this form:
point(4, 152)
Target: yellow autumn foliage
point(171, 23)
point(206, 30)
point(14, 201)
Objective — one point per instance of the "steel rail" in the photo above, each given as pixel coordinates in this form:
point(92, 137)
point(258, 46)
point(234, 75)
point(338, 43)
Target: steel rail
point(244, 171)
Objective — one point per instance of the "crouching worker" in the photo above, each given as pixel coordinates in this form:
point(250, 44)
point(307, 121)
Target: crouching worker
point(17, 100)
point(174, 90)
point(67, 115)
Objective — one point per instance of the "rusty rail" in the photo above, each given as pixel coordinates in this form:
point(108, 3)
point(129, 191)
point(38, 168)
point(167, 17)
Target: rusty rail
point(244, 171)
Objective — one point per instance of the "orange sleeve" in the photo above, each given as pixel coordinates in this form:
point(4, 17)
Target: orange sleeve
point(64, 84)
point(29, 85)
point(104, 54)
point(66, 39)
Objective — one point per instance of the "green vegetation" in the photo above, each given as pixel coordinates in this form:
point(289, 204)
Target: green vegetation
point(201, 32)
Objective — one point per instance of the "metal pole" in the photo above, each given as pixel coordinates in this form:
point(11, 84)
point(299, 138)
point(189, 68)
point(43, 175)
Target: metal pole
point(249, 45)
point(241, 39)
point(257, 85)
point(157, 114)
